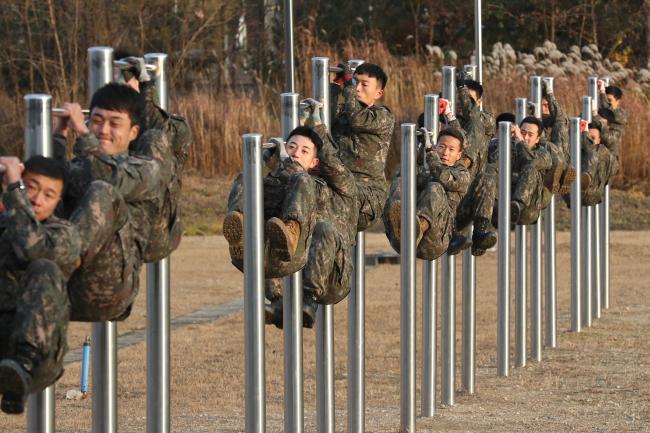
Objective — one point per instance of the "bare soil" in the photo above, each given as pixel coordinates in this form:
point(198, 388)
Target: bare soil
point(595, 381)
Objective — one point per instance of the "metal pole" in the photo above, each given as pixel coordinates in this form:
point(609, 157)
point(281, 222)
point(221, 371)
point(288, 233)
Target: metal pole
point(536, 252)
point(254, 284)
point(478, 40)
point(288, 46)
point(158, 286)
point(595, 267)
point(469, 301)
point(448, 301)
point(407, 278)
point(587, 282)
point(592, 91)
point(604, 240)
point(520, 268)
point(294, 414)
point(357, 341)
point(503, 334)
point(325, 313)
point(429, 288)
point(38, 141)
point(574, 136)
point(104, 334)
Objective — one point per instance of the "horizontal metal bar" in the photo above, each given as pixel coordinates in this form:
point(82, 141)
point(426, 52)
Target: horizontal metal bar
point(62, 112)
point(121, 64)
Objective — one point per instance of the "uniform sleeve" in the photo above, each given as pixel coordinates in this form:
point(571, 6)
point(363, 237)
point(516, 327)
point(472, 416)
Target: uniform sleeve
point(338, 177)
point(30, 240)
point(454, 179)
point(539, 157)
point(560, 131)
point(466, 103)
point(59, 144)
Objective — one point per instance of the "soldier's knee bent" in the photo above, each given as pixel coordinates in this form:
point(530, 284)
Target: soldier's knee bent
point(44, 267)
point(102, 189)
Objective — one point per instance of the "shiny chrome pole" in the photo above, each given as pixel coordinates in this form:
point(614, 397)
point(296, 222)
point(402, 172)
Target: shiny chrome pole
point(357, 341)
point(429, 288)
point(407, 278)
point(503, 334)
point(294, 414)
point(104, 334)
point(289, 62)
point(38, 141)
point(576, 242)
point(521, 267)
point(478, 40)
point(587, 253)
point(158, 286)
point(325, 313)
point(255, 396)
point(595, 267)
point(604, 240)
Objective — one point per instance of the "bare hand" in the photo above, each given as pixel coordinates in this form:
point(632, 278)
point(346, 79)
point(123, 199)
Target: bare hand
point(12, 169)
point(517, 132)
point(76, 120)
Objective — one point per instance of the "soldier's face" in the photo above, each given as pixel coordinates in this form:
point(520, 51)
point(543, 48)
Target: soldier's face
point(594, 134)
point(531, 134)
point(303, 151)
point(474, 95)
point(369, 90)
point(43, 192)
point(613, 101)
point(448, 149)
point(545, 111)
point(113, 129)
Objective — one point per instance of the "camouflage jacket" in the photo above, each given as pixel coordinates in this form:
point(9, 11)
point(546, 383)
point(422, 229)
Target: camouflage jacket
point(454, 179)
point(520, 156)
point(610, 137)
point(362, 136)
point(472, 123)
point(556, 126)
point(24, 239)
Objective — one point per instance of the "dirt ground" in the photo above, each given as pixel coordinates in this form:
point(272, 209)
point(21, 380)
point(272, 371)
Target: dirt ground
point(595, 381)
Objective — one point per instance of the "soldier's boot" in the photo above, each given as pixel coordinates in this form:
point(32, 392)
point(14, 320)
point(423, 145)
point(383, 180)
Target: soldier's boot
point(273, 314)
point(483, 237)
point(567, 179)
point(516, 208)
point(458, 243)
point(395, 219)
point(233, 231)
point(553, 179)
point(283, 238)
point(16, 379)
point(309, 307)
point(422, 227)
point(585, 180)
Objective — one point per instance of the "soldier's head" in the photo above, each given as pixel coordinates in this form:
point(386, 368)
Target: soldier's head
point(303, 145)
point(371, 81)
point(606, 115)
point(116, 113)
point(531, 130)
point(594, 129)
point(614, 95)
point(450, 145)
point(475, 90)
point(44, 180)
point(546, 113)
point(505, 117)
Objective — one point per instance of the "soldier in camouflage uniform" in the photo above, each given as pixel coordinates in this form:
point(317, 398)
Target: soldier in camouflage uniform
point(441, 183)
point(362, 130)
point(38, 253)
point(617, 122)
point(114, 199)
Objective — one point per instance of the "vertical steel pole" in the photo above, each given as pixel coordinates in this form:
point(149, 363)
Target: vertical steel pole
point(429, 288)
point(604, 240)
point(292, 306)
point(289, 62)
point(520, 267)
point(478, 40)
point(407, 278)
point(104, 334)
point(325, 313)
point(550, 265)
point(536, 252)
point(587, 282)
point(503, 313)
point(38, 141)
point(448, 292)
point(357, 341)
point(576, 242)
point(255, 397)
point(158, 286)
point(469, 300)
point(595, 267)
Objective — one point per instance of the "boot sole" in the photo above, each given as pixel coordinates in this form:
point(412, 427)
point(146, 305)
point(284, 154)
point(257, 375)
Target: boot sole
point(553, 182)
point(567, 180)
point(395, 218)
point(14, 384)
point(278, 238)
point(233, 231)
point(486, 242)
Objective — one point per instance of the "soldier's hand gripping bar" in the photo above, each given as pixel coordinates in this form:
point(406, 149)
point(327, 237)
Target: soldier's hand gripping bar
point(353, 63)
point(123, 65)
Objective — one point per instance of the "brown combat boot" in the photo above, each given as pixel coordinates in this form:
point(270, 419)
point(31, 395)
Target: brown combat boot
point(553, 178)
point(567, 179)
point(283, 238)
point(395, 219)
point(585, 180)
point(233, 231)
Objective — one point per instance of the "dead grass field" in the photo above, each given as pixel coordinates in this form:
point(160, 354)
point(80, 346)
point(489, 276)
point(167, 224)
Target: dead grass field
point(595, 381)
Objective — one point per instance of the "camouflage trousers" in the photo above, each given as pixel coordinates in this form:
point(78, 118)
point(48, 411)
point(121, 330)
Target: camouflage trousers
point(38, 319)
point(432, 204)
point(600, 164)
point(326, 277)
point(479, 199)
point(104, 286)
point(288, 197)
point(371, 200)
point(557, 153)
point(528, 189)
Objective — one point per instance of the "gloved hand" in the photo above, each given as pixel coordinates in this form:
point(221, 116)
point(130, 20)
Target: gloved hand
point(583, 125)
point(312, 112)
point(546, 89)
point(444, 108)
point(345, 77)
point(601, 86)
point(138, 69)
point(426, 138)
point(461, 78)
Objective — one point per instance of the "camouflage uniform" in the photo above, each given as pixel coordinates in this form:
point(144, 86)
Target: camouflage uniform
point(36, 260)
point(598, 162)
point(556, 131)
point(290, 193)
point(612, 134)
point(362, 137)
point(529, 166)
point(440, 188)
point(114, 219)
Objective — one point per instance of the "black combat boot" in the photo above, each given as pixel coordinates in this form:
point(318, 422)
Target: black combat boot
point(483, 237)
point(309, 307)
point(516, 208)
point(273, 313)
point(16, 379)
point(458, 243)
